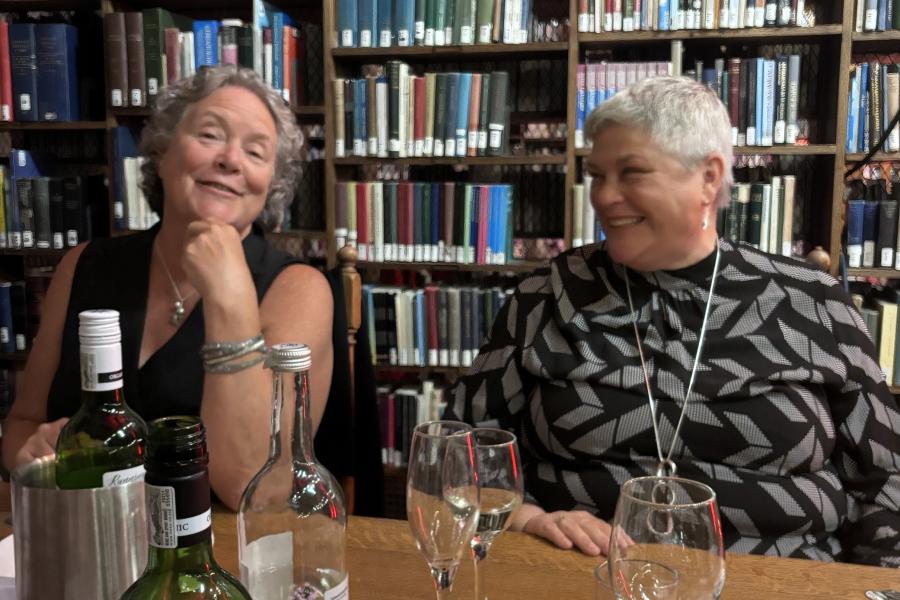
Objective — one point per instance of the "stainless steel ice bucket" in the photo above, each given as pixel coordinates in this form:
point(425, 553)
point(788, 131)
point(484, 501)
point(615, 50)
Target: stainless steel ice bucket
point(75, 544)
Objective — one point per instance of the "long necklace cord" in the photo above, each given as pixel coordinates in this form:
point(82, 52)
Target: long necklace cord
point(667, 460)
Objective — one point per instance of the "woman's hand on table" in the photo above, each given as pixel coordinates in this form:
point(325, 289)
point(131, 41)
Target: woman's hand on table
point(565, 528)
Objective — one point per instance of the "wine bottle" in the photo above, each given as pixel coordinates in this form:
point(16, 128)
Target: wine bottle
point(102, 445)
point(292, 523)
point(180, 562)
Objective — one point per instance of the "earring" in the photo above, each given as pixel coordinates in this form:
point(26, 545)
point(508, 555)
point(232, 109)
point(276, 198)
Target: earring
point(704, 224)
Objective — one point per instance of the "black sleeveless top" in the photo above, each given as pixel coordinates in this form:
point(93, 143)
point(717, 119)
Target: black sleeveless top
point(114, 273)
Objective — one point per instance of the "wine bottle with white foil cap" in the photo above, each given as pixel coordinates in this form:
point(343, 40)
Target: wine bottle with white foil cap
point(102, 445)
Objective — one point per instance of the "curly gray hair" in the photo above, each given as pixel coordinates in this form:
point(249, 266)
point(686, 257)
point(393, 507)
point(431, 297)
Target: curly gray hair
point(173, 103)
point(682, 116)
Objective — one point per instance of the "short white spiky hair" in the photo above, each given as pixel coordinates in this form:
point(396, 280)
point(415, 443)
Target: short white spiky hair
point(681, 115)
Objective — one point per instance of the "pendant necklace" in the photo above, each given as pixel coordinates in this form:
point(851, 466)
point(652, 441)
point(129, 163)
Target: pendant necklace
point(178, 307)
point(666, 466)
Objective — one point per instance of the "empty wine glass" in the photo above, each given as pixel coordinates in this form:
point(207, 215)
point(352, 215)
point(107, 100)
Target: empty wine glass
point(442, 496)
point(662, 524)
point(501, 487)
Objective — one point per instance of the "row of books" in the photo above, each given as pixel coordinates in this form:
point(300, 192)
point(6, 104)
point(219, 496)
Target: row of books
point(664, 15)
point(438, 326)
point(880, 317)
point(38, 72)
point(383, 23)
point(425, 222)
point(872, 224)
point(877, 15)
point(874, 100)
point(397, 113)
point(38, 211)
point(148, 49)
point(400, 409)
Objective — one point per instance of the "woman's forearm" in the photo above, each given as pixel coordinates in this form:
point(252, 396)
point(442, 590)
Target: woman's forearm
point(16, 432)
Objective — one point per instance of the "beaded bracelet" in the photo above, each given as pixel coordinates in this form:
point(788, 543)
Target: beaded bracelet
point(218, 356)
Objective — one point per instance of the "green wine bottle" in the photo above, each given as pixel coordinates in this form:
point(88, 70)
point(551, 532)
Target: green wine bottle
point(102, 445)
point(180, 563)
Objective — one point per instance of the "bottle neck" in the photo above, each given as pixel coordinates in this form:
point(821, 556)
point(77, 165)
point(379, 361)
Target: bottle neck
point(101, 373)
point(180, 518)
point(297, 384)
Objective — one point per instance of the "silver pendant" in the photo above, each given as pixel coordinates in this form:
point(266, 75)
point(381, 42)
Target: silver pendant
point(177, 313)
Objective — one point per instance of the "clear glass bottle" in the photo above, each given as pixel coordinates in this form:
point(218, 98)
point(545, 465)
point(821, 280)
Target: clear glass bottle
point(292, 521)
point(102, 445)
point(180, 563)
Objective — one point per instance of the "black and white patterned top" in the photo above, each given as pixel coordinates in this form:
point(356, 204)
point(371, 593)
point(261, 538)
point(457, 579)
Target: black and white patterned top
point(790, 421)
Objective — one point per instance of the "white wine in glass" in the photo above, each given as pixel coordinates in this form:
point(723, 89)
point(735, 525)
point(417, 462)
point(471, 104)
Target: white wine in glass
point(501, 488)
point(442, 500)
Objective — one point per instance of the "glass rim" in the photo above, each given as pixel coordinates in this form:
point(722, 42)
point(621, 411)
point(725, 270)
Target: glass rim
point(514, 439)
point(422, 428)
point(660, 506)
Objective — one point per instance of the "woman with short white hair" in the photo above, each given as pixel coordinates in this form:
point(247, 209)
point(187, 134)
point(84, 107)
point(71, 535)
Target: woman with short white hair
point(665, 349)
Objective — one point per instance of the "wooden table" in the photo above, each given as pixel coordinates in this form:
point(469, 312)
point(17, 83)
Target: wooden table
point(385, 565)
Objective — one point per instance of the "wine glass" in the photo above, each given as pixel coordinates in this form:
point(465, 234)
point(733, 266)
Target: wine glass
point(665, 524)
point(501, 487)
point(442, 496)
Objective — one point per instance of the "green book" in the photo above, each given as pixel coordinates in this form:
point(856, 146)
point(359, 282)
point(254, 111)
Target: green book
point(484, 19)
point(430, 18)
point(440, 21)
point(156, 20)
point(755, 214)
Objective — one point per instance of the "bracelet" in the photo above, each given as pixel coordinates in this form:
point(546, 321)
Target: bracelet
point(218, 356)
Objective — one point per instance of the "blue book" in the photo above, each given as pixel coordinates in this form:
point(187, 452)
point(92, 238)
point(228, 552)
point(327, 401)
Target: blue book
point(853, 112)
point(710, 79)
point(580, 101)
point(7, 340)
point(23, 65)
point(279, 20)
point(385, 23)
point(495, 219)
point(23, 165)
point(452, 103)
point(663, 15)
point(462, 112)
point(347, 23)
point(405, 21)
point(368, 23)
point(436, 212)
point(760, 98)
point(206, 43)
point(768, 95)
point(855, 210)
point(123, 145)
point(359, 117)
point(862, 144)
point(882, 15)
point(869, 232)
point(57, 77)
point(420, 328)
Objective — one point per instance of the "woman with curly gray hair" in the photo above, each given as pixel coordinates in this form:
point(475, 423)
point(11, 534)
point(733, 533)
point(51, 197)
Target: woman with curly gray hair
point(199, 295)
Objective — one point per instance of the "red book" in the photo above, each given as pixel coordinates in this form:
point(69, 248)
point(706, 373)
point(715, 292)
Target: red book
point(734, 93)
point(474, 110)
point(286, 73)
point(6, 97)
point(173, 55)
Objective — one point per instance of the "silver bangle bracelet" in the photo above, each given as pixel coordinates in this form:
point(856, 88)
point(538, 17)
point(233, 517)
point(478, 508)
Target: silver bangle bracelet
point(218, 356)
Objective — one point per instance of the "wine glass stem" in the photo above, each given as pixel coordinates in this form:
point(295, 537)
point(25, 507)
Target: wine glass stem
point(479, 554)
point(443, 581)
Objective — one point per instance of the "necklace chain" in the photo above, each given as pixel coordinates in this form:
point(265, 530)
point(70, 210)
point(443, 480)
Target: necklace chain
point(666, 465)
point(178, 311)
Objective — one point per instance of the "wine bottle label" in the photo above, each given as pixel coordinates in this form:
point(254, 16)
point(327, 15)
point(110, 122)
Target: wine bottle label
point(101, 368)
point(123, 477)
point(165, 526)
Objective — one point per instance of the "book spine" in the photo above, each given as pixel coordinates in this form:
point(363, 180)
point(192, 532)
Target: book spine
point(57, 228)
point(25, 198)
point(41, 195)
point(23, 68)
point(497, 117)
point(6, 93)
point(57, 80)
point(134, 45)
point(887, 233)
point(869, 233)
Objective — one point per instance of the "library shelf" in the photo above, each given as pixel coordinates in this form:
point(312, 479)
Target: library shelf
point(300, 234)
point(34, 251)
point(515, 266)
point(458, 52)
point(877, 36)
point(894, 389)
point(417, 369)
point(884, 272)
point(853, 157)
point(785, 150)
point(52, 125)
point(313, 110)
point(763, 34)
point(519, 159)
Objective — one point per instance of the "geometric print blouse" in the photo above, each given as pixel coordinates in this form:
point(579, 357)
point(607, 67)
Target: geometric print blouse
point(789, 420)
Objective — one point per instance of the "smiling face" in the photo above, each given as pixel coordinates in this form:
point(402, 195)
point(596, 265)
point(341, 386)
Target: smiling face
point(221, 159)
point(649, 204)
